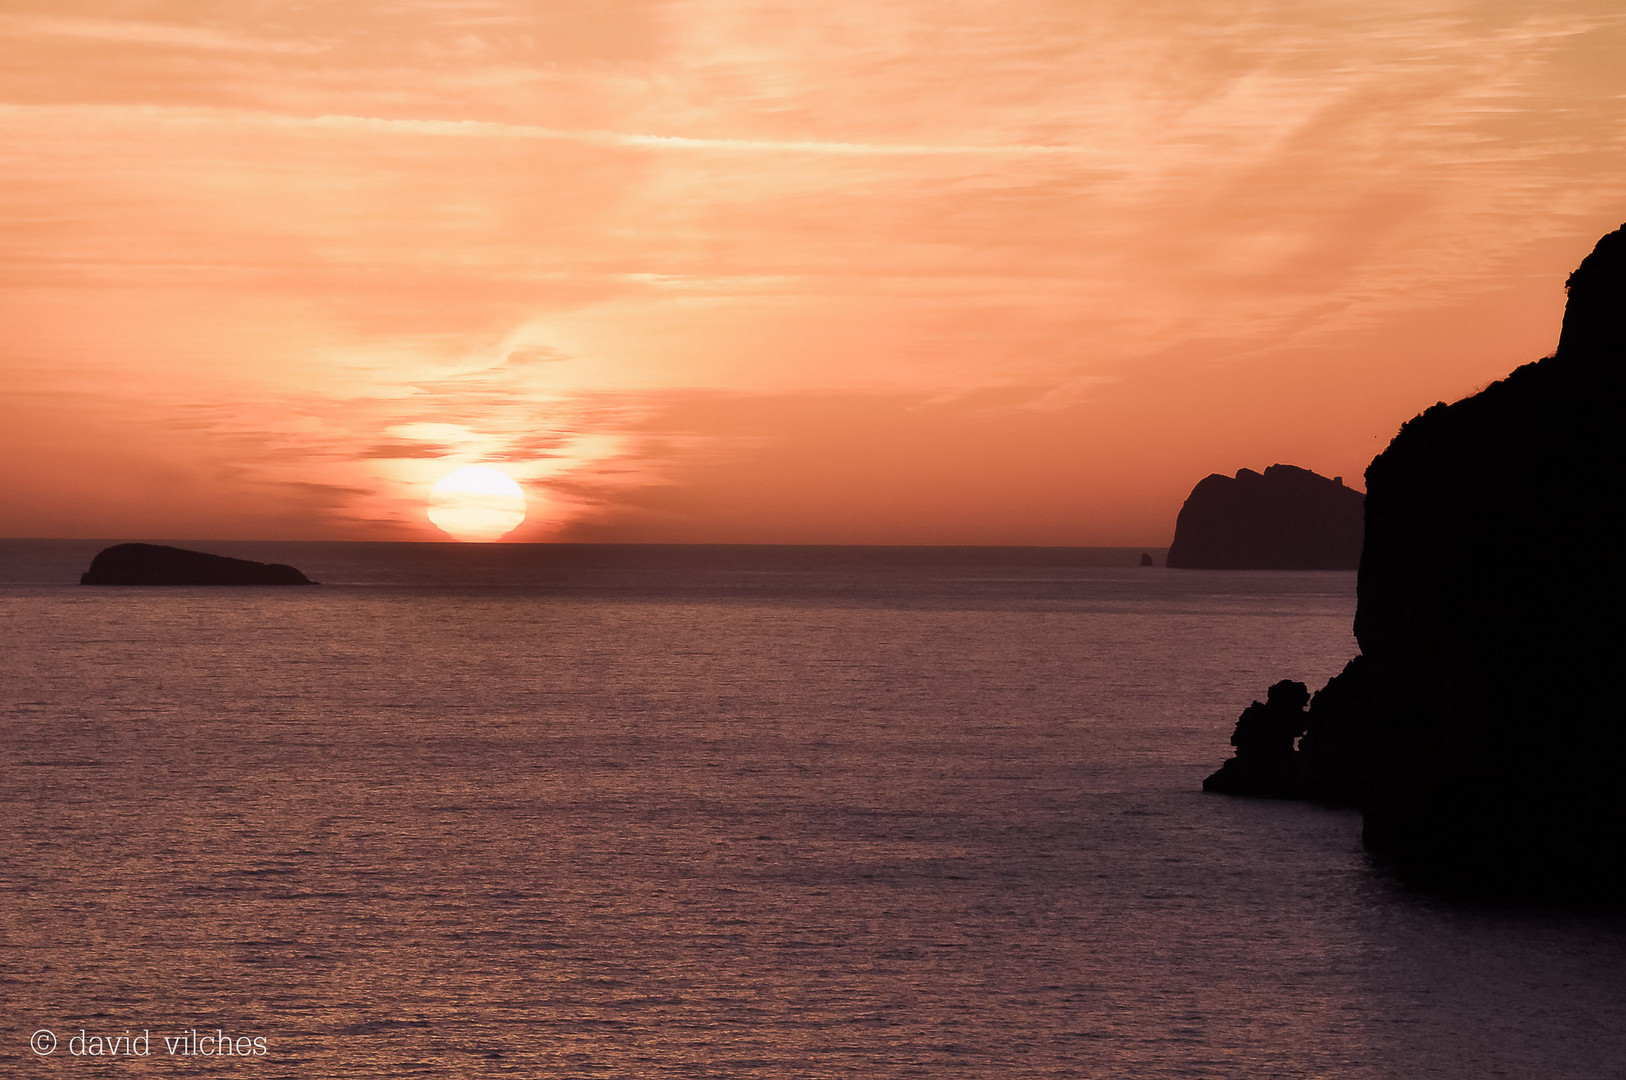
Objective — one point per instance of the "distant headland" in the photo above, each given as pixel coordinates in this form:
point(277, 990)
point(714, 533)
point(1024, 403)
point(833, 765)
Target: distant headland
point(1480, 730)
point(157, 564)
point(1285, 518)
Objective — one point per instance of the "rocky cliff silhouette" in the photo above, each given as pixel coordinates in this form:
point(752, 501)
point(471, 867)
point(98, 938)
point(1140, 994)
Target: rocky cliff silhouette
point(158, 564)
point(1489, 610)
point(1285, 518)
point(1481, 729)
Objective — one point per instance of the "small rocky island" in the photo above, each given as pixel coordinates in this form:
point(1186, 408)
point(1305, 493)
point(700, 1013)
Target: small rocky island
point(1481, 730)
point(1285, 518)
point(157, 564)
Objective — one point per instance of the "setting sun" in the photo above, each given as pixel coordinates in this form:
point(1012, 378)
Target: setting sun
point(477, 502)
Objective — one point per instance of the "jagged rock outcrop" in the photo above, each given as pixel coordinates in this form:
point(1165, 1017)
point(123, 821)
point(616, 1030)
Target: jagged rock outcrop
point(157, 564)
point(1327, 765)
point(1285, 518)
point(1489, 611)
point(1265, 762)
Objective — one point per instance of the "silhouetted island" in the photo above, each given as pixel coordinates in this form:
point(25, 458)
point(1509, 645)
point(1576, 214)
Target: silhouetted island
point(156, 564)
point(1285, 518)
point(1481, 730)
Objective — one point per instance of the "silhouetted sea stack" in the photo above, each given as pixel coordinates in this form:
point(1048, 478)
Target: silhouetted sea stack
point(156, 564)
point(1481, 728)
point(1285, 518)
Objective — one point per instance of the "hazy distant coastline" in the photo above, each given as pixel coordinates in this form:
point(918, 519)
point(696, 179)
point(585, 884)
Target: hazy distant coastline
point(366, 562)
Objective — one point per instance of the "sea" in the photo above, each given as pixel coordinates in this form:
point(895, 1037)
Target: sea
point(642, 811)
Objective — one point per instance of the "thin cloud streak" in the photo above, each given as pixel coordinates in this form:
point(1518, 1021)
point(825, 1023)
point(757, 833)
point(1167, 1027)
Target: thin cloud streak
point(236, 119)
point(139, 33)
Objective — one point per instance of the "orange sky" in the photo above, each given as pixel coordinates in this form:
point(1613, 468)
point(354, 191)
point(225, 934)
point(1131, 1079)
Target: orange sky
point(943, 271)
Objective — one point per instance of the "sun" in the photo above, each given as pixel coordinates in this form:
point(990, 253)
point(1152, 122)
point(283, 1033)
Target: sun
point(476, 502)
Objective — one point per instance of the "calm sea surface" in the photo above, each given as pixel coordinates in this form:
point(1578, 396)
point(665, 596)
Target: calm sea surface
point(644, 812)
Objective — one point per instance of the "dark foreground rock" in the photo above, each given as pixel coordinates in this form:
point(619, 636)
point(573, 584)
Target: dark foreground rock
point(1328, 764)
point(1285, 518)
point(156, 564)
point(1265, 762)
point(1482, 729)
point(1497, 732)
point(1333, 764)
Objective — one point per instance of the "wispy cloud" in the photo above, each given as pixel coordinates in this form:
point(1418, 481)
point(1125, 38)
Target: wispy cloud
point(141, 33)
point(239, 119)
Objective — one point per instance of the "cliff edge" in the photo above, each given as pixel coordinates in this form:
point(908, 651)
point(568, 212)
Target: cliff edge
point(1285, 518)
point(1489, 611)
